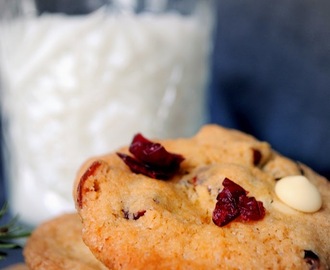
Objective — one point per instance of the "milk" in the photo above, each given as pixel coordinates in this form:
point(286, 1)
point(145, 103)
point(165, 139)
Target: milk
point(79, 86)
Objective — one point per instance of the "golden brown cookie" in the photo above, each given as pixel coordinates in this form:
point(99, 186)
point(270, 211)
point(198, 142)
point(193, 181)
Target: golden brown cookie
point(132, 221)
point(57, 245)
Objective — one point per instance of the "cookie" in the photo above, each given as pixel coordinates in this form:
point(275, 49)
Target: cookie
point(57, 245)
point(218, 210)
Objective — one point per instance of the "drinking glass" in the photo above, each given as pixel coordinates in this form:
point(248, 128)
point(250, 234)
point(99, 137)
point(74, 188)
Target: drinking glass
point(80, 78)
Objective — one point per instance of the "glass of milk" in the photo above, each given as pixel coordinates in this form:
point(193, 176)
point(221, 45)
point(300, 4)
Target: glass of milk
point(80, 79)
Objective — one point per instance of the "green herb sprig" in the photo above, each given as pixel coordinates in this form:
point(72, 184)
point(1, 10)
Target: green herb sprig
point(9, 232)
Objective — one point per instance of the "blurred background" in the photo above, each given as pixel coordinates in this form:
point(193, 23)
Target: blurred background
point(271, 75)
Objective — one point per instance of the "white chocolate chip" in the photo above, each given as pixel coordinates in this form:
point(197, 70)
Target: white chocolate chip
point(299, 193)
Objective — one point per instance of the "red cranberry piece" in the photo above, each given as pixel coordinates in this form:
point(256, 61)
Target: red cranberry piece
point(250, 208)
point(153, 153)
point(151, 159)
point(233, 188)
point(134, 216)
point(143, 168)
point(81, 189)
point(312, 260)
point(139, 214)
point(256, 156)
point(226, 208)
point(233, 202)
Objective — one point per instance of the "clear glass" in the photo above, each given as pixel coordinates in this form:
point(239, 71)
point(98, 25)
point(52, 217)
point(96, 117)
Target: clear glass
point(80, 78)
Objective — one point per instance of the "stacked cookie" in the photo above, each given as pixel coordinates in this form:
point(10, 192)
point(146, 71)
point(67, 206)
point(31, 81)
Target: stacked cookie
point(219, 200)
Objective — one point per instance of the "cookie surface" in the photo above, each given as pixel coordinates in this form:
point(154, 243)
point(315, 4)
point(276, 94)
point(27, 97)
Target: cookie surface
point(57, 245)
point(131, 221)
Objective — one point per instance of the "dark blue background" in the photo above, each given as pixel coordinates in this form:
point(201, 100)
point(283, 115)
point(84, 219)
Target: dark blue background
point(271, 77)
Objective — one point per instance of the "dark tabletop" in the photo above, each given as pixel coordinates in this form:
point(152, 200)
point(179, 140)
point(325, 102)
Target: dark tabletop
point(271, 78)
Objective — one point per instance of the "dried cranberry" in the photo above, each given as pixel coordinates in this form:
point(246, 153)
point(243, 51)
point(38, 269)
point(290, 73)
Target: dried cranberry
point(139, 214)
point(151, 159)
point(250, 208)
point(226, 208)
point(256, 156)
point(234, 189)
point(232, 202)
point(193, 180)
point(153, 153)
point(134, 216)
point(89, 172)
point(312, 259)
point(143, 168)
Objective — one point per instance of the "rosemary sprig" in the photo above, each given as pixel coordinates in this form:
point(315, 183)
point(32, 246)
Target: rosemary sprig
point(9, 232)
